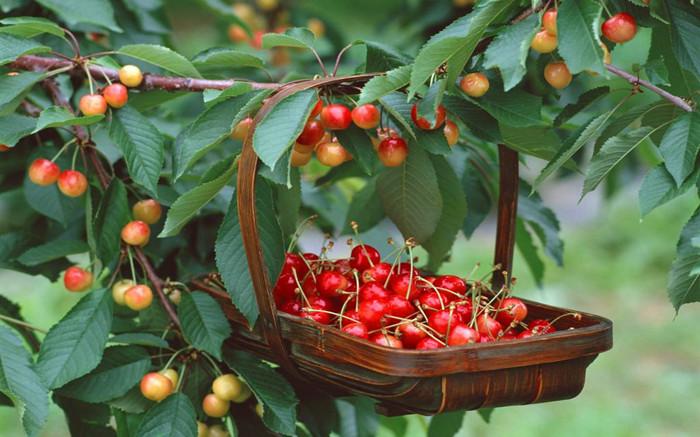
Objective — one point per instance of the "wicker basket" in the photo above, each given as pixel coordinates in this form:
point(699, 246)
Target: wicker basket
point(538, 369)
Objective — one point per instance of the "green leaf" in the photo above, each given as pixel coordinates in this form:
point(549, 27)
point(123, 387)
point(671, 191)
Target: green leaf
point(515, 108)
point(683, 285)
point(477, 194)
point(203, 322)
point(579, 45)
point(28, 27)
point(58, 116)
point(685, 28)
point(357, 417)
point(680, 146)
point(611, 154)
point(508, 51)
point(411, 196)
point(380, 86)
point(142, 146)
point(486, 413)
point(480, 122)
point(10, 309)
point(112, 214)
point(584, 100)
point(541, 142)
point(399, 110)
point(12, 47)
point(298, 37)
point(13, 87)
point(208, 130)
point(526, 246)
point(280, 127)
point(446, 424)
point(19, 381)
point(223, 58)
point(271, 389)
point(543, 222)
point(459, 38)
point(139, 339)
point(659, 187)
point(573, 144)
point(162, 57)
point(381, 57)
point(365, 208)
point(51, 203)
point(73, 12)
point(427, 107)
point(173, 417)
point(454, 211)
point(288, 199)
point(14, 127)
point(190, 203)
point(121, 368)
point(231, 259)
point(357, 142)
point(52, 250)
point(73, 346)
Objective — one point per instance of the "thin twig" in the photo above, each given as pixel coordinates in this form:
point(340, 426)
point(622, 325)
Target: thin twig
point(634, 80)
point(22, 323)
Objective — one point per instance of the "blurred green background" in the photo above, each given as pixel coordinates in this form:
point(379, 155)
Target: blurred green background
point(615, 265)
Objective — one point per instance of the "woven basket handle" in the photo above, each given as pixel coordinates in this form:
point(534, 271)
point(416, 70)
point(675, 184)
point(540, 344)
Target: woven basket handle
point(245, 196)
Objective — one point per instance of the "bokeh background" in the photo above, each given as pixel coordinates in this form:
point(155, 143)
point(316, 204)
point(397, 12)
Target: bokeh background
point(615, 263)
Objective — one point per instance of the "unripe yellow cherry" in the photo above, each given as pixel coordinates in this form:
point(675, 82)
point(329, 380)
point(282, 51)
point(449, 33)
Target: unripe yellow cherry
point(544, 42)
point(119, 289)
point(213, 406)
point(130, 75)
point(172, 375)
point(227, 387)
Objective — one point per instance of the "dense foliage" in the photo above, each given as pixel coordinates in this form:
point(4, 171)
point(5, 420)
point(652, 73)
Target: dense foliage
point(78, 176)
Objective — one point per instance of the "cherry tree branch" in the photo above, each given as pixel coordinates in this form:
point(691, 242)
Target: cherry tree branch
point(635, 80)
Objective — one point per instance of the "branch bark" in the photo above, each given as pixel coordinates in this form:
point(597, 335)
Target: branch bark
point(634, 80)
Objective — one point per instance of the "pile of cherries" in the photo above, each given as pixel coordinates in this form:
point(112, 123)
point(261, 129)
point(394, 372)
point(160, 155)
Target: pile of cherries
point(397, 305)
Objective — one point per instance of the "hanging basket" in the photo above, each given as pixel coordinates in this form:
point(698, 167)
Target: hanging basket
point(538, 369)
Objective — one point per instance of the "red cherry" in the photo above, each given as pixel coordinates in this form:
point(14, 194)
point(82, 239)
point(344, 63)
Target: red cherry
point(147, 210)
point(330, 283)
point(525, 334)
point(411, 335)
point(92, 104)
point(392, 151)
point(294, 262)
point(462, 334)
point(404, 285)
point(378, 273)
point(116, 95)
point(486, 339)
point(488, 326)
point(331, 154)
point(322, 303)
point(443, 320)
point(343, 266)
point(358, 329)
point(72, 183)
point(312, 133)
point(425, 124)
point(399, 306)
point(291, 307)
point(386, 340)
point(549, 21)
point(450, 286)
point(371, 312)
point(620, 28)
point(465, 309)
point(373, 290)
point(285, 288)
point(316, 316)
point(77, 279)
point(541, 326)
point(364, 257)
point(429, 343)
point(512, 310)
point(43, 172)
point(508, 335)
point(430, 301)
point(351, 315)
point(451, 132)
point(317, 109)
point(136, 233)
point(336, 117)
point(406, 268)
point(366, 116)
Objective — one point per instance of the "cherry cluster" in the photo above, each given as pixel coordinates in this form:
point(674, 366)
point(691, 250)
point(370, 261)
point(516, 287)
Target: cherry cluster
point(397, 305)
point(115, 94)
point(619, 29)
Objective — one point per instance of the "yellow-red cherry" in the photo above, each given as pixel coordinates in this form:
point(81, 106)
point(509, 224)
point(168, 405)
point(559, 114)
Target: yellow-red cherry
point(213, 406)
point(557, 74)
point(155, 386)
point(147, 210)
point(424, 123)
point(544, 42)
point(331, 154)
point(77, 279)
point(366, 116)
point(392, 151)
point(43, 172)
point(549, 21)
point(136, 233)
point(475, 84)
point(620, 28)
point(92, 104)
point(116, 95)
point(138, 297)
point(72, 183)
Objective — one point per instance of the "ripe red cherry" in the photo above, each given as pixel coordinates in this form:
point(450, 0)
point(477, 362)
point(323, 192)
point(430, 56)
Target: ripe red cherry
point(462, 334)
point(378, 273)
point(322, 303)
point(43, 172)
point(312, 133)
point(450, 283)
point(620, 28)
point(451, 132)
point(316, 316)
point(404, 285)
point(411, 335)
point(116, 95)
point(92, 104)
point(373, 290)
point(336, 117)
point(72, 183)
point(508, 335)
point(147, 210)
point(464, 308)
point(291, 307)
point(425, 124)
point(486, 339)
point(351, 315)
point(430, 301)
point(372, 311)
point(330, 283)
point(429, 343)
point(4, 147)
point(76, 279)
point(364, 257)
point(366, 116)
point(525, 334)
point(443, 320)
point(475, 84)
point(294, 262)
point(406, 267)
point(285, 288)
point(399, 306)
point(136, 233)
point(392, 151)
point(386, 340)
point(317, 109)
point(549, 21)
point(512, 310)
point(358, 329)
point(541, 326)
point(488, 326)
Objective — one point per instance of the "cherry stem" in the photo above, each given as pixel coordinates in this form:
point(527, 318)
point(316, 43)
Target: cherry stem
point(339, 57)
point(299, 287)
point(89, 78)
point(214, 366)
point(75, 156)
point(299, 229)
point(22, 323)
point(320, 62)
point(62, 149)
point(131, 264)
point(180, 380)
point(425, 328)
point(175, 355)
point(315, 310)
point(575, 315)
